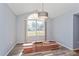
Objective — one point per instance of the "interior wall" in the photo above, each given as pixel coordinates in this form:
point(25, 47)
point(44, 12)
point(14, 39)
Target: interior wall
point(7, 29)
point(76, 31)
point(49, 30)
point(21, 31)
point(62, 30)
point(21, 28)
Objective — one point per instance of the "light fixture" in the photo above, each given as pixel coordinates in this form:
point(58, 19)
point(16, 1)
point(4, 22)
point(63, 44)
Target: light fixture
point(43, 14)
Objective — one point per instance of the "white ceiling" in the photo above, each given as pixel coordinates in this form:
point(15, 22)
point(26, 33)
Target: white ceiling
point(54, 9)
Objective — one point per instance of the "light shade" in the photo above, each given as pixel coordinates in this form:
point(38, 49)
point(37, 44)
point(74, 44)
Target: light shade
point(43, 15)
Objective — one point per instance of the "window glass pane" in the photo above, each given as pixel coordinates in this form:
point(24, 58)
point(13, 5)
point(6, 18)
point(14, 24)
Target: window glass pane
point(31, 28)
point(35, 28)
point(40, 28)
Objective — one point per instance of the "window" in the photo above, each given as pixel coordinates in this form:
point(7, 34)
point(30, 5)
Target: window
point(35, 28)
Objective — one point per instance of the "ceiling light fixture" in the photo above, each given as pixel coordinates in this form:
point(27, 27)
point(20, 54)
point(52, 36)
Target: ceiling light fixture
point(43, 14)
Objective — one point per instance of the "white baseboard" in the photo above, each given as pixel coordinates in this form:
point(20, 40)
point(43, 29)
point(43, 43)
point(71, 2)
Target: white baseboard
point(76, 49)
point(64, 46)
point(10, 49)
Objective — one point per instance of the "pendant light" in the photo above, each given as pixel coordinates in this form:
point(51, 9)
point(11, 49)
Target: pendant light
point(43, 14)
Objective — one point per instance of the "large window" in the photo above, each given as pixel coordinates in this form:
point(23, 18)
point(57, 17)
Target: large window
point(35, 28)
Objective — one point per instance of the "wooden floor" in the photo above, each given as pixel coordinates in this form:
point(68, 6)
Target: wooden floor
point(18, 49)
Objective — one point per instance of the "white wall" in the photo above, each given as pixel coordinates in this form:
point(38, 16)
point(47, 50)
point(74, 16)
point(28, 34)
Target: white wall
point(7, 29)
point(20, 28)
point(62, 28)
point(49, 30)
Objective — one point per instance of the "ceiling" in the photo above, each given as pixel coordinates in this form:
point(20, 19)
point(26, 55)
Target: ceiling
point(54, 9)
